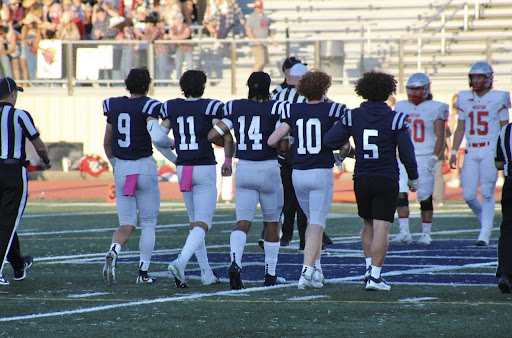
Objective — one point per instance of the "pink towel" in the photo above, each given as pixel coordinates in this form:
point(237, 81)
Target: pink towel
point(130, 184)
point(186, 178)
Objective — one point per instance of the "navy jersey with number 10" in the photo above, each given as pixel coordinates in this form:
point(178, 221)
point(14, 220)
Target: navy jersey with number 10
point(191, 120)
point(131, 139)
point(309, 123)
point(253, 123)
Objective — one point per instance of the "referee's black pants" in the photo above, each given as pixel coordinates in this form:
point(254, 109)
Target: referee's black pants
point(291, 207)
point(13, 198)
point(505, 240)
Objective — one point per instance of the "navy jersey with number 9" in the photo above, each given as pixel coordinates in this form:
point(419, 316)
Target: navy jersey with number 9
point(191, 120)
point(131, 139)
point(309, 123)
point(253, 122)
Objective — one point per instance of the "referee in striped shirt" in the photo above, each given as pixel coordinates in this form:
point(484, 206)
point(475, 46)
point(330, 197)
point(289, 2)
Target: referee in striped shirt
point(503, 161)
point(16, 126)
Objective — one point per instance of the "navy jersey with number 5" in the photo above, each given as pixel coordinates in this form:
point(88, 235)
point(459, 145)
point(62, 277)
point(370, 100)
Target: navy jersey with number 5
point(377, 131)
point(191, 120)
point(253, 123)
point(309, 123)
point(131, 139)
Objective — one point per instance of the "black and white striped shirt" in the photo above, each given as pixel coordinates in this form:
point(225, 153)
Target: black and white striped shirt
point(16, 126)
point(289, 94)
point(504, 149)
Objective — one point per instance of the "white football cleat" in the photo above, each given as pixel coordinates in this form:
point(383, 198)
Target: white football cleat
point(309, 282)
point(318, 276)
point(209, 278)
point(401, 238)
point(179, 273)
point(424, 239)
point(377, 284)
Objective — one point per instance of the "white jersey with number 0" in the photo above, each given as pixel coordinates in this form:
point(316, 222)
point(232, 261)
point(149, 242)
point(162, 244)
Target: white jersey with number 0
point(421, 123)
point(483, 114)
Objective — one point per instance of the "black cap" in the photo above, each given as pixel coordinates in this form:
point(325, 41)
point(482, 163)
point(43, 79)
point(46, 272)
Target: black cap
point(8, 85)
point(258, 80)
point(289, 62)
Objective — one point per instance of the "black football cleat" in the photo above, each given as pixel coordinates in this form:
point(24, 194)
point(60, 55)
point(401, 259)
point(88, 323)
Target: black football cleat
point(235, 277)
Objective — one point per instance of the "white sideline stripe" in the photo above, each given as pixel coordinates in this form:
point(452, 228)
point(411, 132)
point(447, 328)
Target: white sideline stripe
point(142, 302)
point(84, 295)
point(419, 299)
point(308, 297)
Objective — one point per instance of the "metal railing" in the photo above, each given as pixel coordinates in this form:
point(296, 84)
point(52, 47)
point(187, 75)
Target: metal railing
point(228, 63)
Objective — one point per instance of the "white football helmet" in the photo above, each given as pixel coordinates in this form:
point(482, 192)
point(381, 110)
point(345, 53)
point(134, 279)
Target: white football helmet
point(418, 80)
point(481, 68)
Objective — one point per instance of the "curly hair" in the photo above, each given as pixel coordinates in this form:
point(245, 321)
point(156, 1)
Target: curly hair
point(314, 85)
point(138, 81)
point(376, 86)
point(192, 83)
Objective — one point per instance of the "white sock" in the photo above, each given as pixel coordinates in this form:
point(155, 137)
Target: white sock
point(376, 271)
point(308, 270)
point(271, 252)
point(368, 262)
point(318, 265)
point(426, 227)
point(116, 247)
point(403, 224)
point(146, 246)
point(194, 239)
point(237, 243)
point(202, 258)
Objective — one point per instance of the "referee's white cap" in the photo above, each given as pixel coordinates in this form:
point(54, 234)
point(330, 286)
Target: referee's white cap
point(298, 69)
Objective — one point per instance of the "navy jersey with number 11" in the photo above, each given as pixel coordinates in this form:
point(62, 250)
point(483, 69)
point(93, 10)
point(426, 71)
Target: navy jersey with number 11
point(191, 120)
point(309, 123)
point(253, 122)
point(131, 139)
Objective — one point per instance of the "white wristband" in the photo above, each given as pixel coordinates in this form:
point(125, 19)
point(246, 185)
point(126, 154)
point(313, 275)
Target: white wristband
point(217, 128)
point(434, 157)
point(454, 152)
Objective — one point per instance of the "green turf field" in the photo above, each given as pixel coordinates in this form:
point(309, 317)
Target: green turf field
point(447, 289)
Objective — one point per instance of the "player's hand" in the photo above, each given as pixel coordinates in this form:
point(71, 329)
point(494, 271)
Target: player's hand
point(338, 159)
point(453, 162)
point(431, 164)
point(226, 170)
point(413, 185)
point(47, 165)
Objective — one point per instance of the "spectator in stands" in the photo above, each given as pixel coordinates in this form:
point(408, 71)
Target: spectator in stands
point(87, 20)
point(258, 27)
point(208, 19)
point(101, 28)
point(227, 13)
point(75, 18)
point(187, 7)
point(17, 12)
point(151, 33)
point(9, 41)
point(28, 58)
point(67, 29)
point(181, 31)
point(55, 13)
point(169, 12)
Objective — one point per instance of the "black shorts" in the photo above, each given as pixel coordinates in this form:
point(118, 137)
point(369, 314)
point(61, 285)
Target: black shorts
point(376, 197)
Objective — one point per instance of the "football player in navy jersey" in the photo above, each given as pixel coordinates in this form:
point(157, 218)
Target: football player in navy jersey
point(377, 131)
point(258, 177)
point(127, 144)
point(191, 119)
point(312, 175)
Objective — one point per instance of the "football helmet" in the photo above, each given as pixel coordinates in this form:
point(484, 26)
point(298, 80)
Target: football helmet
point(481, 68)
point(418, 80)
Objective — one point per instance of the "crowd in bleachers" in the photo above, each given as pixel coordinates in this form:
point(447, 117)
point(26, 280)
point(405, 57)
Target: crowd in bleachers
point(25, 23)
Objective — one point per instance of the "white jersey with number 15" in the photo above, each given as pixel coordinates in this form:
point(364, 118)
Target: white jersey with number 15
point(483, 114)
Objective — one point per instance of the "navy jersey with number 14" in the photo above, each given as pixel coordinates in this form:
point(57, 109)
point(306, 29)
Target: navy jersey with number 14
point(131, 139)
point(253, 122)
